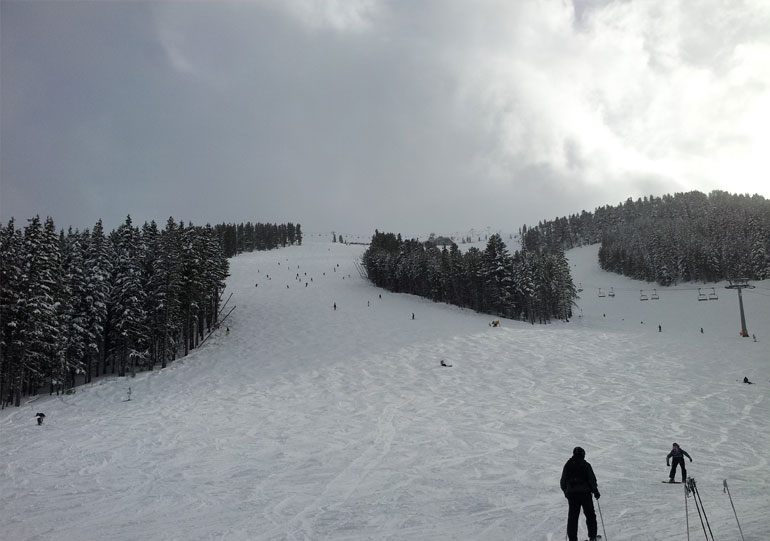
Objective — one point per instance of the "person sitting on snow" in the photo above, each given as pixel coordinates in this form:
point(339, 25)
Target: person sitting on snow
point(445, 364)
point(746, 380)
point(40, 417)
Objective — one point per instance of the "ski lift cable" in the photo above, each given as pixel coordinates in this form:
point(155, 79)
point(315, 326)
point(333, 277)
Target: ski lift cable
point(665, 288)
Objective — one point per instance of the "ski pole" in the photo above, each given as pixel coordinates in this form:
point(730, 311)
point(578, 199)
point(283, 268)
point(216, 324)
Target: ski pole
point(691, 485)
point(686, 513)
point(697, 493)
point(727, 489)
point(602, 518)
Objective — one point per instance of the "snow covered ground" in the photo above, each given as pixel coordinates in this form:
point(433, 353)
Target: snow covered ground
point(307, 422)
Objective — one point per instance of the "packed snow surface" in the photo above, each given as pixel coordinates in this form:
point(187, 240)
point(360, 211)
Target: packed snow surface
point(306, 422)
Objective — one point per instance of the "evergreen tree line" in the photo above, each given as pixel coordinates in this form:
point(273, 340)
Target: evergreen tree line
point(682, 237)
point(527, 285)
point(84, 304)
point(250, 237)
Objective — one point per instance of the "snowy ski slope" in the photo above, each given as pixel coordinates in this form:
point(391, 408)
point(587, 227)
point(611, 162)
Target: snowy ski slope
point(307, 422)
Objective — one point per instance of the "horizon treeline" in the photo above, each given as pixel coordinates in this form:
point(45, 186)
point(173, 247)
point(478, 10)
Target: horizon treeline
point(79, 305)
point(675, 238)
point(527, 285)
point(249, 237)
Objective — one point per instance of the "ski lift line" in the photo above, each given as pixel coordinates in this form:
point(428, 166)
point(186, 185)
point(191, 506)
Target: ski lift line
point(225, 304)
point(667, 289)
point(361, 270)
point(220, 324)
point(227, 315)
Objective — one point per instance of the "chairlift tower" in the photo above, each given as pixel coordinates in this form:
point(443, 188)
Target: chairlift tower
point(740, 285)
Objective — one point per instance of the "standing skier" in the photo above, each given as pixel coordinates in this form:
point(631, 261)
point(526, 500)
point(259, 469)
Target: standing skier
point(678, 454)
point(578, 483)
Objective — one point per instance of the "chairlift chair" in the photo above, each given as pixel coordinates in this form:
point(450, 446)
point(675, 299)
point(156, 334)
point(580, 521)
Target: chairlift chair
point(702, 296)
point(654, 295)
point(713, 295)
point(602, 293)
point(642, 295)
point(612, 292)
point(580, 286)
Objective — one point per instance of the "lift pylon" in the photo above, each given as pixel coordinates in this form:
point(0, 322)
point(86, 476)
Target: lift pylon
point(741, 284)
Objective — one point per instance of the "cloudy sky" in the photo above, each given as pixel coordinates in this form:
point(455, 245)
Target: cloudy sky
point(349, 115)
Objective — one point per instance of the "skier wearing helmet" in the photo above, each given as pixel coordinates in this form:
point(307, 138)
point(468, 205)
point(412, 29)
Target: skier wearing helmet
point(578, 483)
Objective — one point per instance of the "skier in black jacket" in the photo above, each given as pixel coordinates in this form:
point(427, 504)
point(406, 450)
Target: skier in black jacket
point(678, 454)
point(578, 483)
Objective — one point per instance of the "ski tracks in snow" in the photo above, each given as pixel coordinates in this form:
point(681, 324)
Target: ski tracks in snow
point(306, 422)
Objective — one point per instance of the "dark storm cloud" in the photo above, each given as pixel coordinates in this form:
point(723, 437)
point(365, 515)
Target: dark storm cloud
point(408, 116)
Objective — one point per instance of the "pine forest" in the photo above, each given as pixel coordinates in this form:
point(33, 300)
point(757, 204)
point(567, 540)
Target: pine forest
point(675, 238)
point(80, 304)
point(528, 285)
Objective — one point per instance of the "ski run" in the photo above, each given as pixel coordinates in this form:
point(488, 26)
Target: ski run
point(299, 421)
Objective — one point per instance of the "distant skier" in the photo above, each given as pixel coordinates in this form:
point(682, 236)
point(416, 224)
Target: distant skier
point(40, 417)
point(578, 483)
point(678, 454)
point(746, 380)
